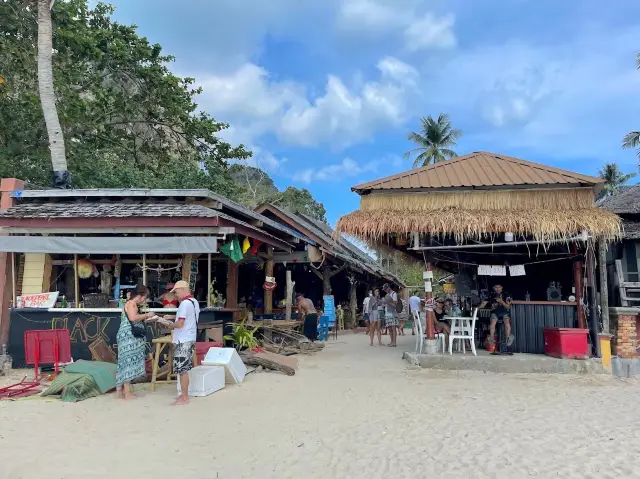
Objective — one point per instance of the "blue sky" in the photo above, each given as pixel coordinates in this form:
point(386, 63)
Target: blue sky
point(325, 92)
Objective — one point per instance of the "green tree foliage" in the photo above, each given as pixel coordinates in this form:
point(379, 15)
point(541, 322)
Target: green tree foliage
point(613, 178)
point(127, 120)
point(259, 188)
point(632, 139)
point(434, 140)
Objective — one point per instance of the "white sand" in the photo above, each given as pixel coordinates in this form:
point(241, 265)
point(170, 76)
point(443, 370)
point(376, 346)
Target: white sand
point(351, 411)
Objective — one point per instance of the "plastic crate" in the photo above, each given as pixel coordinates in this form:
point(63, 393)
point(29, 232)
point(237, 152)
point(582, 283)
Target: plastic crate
point(229, 358)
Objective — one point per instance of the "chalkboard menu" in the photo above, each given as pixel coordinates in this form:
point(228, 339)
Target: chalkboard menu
point(330, 309)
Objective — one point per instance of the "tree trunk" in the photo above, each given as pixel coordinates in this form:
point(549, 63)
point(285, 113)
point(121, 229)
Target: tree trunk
point(353, 305)
point(326, 280)
point(47, 95)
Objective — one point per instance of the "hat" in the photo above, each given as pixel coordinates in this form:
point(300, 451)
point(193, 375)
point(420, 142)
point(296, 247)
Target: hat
point(179, 285)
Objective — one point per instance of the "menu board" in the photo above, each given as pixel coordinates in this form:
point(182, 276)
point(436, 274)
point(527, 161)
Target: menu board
point(330, 308)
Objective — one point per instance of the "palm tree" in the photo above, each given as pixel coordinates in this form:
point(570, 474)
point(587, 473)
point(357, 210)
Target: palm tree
point(434, 140)
point(613, 178)
point(47, 95)
point(632, 140)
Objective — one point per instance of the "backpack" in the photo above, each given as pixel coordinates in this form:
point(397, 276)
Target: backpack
point(399, 306)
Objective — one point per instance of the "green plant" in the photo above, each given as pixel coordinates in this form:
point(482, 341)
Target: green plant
point(216, 297)
point(243, 337)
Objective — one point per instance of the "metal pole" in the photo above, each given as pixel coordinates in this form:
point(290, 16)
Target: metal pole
point(591, 295)
point(208, 280)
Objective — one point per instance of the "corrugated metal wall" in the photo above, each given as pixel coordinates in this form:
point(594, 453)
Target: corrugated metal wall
point(528, 320)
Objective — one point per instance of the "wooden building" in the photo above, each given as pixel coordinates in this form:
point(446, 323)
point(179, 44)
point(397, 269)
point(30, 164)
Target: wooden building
point(490, 209)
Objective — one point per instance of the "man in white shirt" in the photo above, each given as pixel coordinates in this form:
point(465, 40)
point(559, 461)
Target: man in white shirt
point(185, 330)
point(365, 311)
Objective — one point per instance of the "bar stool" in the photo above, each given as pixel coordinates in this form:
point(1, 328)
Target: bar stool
point(168, 375)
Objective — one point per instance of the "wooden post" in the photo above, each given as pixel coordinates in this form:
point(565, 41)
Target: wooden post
point(232, 284)
point(268, 271)
point(326, 280)
point(76, 281)
point(431, 321)
point(353, 302)
point(13, 279)
point(144, 269)
point(578, 284)
point(591, 297)
point(289, 296)
point(604, 286)
point(209, 280)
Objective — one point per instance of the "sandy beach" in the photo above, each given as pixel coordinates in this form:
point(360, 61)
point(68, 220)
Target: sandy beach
point(352, 411)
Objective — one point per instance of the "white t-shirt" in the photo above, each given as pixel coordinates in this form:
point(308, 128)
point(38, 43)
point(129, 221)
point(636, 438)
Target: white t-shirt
point(414, 303)
point(189, 309)
point(365, 304)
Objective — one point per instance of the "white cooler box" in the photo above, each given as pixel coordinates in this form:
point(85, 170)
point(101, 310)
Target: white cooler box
point(229, 358)
point(204, 380)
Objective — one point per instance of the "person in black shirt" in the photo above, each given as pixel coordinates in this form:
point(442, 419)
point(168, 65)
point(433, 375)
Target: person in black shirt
point(500, 304)
point(441, 323)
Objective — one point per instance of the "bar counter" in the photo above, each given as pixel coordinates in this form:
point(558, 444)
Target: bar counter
point(92, 328)
point(529, 318)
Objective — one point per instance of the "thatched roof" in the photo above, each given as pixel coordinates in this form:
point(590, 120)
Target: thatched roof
point(462, 224)
point(478, 196)
point(625, 202)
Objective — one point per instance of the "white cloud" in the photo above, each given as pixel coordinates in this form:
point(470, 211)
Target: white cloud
point(256, 104)
point(345, 169)
point(420, 30)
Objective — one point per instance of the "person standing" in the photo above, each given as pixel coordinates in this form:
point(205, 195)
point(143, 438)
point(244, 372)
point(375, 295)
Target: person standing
point(374, 318)
point(390, 315)
point(402, 317)
point(310, 326)
point(185, 330)
point(414, 309)
point(130, 364)
point(365, 311)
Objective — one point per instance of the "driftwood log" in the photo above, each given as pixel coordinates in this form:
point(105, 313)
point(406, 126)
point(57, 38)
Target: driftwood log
point(253, 359)
point(290, 341)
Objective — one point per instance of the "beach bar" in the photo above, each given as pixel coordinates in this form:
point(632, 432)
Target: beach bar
point(487, 218)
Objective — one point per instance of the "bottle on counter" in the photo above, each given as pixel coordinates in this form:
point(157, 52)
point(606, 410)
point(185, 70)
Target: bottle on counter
point(527, 296)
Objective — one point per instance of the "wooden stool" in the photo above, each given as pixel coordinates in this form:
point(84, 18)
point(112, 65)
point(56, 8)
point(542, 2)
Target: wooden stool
point(168, 375)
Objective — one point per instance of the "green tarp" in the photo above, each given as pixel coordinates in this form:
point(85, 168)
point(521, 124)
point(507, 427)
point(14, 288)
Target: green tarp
point(83, 380)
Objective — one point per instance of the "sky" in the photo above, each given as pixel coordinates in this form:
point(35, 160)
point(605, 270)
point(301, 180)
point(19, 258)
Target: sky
point(325, 92)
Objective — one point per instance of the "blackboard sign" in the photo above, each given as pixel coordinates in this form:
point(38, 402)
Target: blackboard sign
point(330, 309)
point(87, 330)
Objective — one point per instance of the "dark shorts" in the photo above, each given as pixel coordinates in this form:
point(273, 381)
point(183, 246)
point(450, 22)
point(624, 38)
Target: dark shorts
point(496, 317)
point(183, 357)
point(366, 316)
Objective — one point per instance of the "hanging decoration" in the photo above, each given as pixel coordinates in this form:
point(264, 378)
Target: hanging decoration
point(232, 249)
point(269, 283)
point(159, 269)
point(85, 268)
point(246, 244)
point(255, 247)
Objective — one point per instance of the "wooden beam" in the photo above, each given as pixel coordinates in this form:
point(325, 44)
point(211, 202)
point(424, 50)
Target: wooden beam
point(289, 296)
point(76, 281)
point(579, 287)
point(257, 223)
point(232, 284)
point(340, 270)
point(317, 273)
point(268, 271)
point(604, 287)
point(208, 280)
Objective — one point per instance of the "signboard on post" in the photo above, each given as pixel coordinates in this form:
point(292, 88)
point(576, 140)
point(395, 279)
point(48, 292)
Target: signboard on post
point(330, 309)
point(38, 300)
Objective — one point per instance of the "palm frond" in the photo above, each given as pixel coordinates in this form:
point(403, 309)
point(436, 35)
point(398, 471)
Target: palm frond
point(631, 140)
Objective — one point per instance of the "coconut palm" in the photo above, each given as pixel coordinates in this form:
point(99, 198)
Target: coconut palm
point(632, 140)
point(613, 178)
point(47, 95)
point(434, 141)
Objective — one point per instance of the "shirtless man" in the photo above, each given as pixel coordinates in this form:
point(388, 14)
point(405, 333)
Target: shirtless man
point(306, 308)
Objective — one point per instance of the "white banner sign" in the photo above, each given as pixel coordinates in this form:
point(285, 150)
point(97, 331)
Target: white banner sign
point(492, 270)
point(517, 270)
point(38, 300)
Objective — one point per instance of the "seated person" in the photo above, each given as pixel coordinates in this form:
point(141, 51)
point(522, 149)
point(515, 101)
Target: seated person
point(440, 313)
point(451, 309)
point(500, 304)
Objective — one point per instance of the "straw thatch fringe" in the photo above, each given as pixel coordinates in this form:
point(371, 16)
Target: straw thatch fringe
point(547, 199)
point(543, 225)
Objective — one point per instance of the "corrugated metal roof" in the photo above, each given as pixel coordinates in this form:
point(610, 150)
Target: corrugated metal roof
point(106, 210)
point(479, 169)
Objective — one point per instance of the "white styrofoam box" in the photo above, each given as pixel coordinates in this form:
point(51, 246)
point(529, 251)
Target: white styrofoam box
point(204, 380)
point(234, 368)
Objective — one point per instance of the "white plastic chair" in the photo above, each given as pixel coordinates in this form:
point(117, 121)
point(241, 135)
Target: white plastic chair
point(463, 329)
point(417, 317)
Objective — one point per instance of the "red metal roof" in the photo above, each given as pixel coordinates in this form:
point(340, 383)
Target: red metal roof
point(479, 169)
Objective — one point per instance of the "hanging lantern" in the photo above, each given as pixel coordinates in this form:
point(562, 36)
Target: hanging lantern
point(85, 268)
